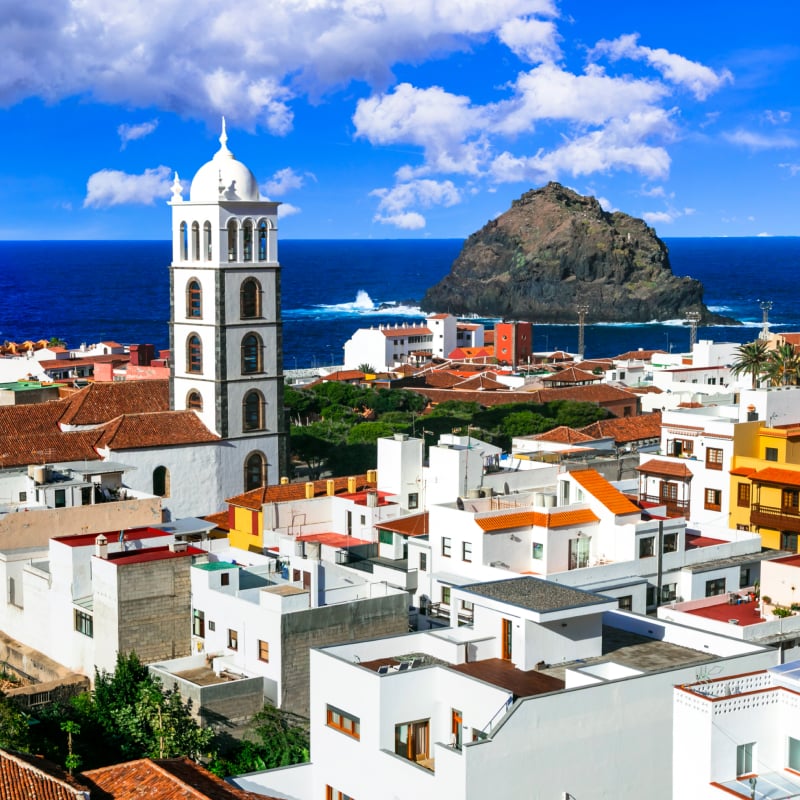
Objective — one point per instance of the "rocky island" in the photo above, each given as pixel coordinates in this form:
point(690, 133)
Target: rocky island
point(555, 249)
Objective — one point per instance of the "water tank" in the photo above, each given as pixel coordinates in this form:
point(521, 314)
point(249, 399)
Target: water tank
point(538, 499)
point(550, 500)
point(473, 494)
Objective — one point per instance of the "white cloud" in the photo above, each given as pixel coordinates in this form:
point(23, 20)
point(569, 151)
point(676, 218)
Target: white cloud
point(654, 217)
point(110, 187)
point(283, 181)
point(777, 117)
point(793, 169)
point(698, 78)
point(395, 202)
point(409, 220)
point(759, 141)
point(287, 210)
point(533, 40)
point(606, 204)
point(129, 133)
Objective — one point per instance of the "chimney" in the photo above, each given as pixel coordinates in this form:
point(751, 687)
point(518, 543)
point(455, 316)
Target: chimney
point(101, 546)
point(331, 487)
point(372, 499)
point(179, 547)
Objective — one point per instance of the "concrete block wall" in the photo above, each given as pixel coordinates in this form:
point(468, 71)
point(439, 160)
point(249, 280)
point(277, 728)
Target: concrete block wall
point(318, 627)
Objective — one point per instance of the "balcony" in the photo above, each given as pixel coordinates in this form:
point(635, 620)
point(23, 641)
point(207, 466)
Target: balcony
point(780, 519)
point(675, 508)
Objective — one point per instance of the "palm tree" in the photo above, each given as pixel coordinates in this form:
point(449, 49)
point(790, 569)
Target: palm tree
point(782, 365)
point(752, 359)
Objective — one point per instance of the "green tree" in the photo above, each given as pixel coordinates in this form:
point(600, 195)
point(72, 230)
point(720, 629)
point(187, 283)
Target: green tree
point(782, 365)
point(367, 369)
point(309, 446)
point(524, 423)
point(368, 432)
point(751, 359)
point(14, 725)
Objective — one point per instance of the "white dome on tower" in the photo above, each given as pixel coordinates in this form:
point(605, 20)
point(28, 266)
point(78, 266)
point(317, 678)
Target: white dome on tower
point(223, 178)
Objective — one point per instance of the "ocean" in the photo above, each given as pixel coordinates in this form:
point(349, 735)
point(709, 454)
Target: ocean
point(98, 291)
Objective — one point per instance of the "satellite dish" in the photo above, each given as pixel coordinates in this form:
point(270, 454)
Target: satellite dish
point(459, 504)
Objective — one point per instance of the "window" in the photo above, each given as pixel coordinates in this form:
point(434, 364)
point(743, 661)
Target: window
point(233, 236)
point(423, 562)
point(670, 542)
point(335, 794)
point(263, 651)
point(194, 354)
point(212, 626)
point(446, 543)
point(194, 299)
point(411, 740)
point(669, 491)
point(650, 596)
point(579, 552)
point(538, 550)
point(771, 453)
point(253, 411)
point(255, 471)
point(161, 482)
point(248, 240)
point(743, 495)
point(744, 577)
point(346, 723)
point(386, 537)
point(446, 595)
point(681, 447)
point(198, 623)
point(744, 758)
point(466, 551)
point(626, 603)
point(195, 241)
point(713, 499)
point(669, 591)
point(647, 546)
point(194, 401)
point(790, 500)
point(715, 587)
point(789, 541)
point(250, 299)
point(794, 754)
point(262, 241)
point(233, 639)
point(713, 458)
point(252, 351)
point(23, 496)
point(60, 498)
point(413, 500)
point(184, 241)
point(207, 240)
point(225, 579)
point(84, 623)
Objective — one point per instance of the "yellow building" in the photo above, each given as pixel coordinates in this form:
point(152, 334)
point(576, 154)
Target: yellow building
point(765, 488)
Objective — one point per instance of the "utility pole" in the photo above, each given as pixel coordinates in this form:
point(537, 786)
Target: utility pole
point(766, 307)
point(693, 318)
point(583, 310)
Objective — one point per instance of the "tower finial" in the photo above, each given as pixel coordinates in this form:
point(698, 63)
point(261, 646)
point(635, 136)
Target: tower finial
point(223, 140)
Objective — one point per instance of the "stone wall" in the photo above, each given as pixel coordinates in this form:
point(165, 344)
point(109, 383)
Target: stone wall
point(318, 627)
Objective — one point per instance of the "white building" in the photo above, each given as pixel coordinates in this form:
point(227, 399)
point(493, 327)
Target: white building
point(463, 713)
point(738, 736)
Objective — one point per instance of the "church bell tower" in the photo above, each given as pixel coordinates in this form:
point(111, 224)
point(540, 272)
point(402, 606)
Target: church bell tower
point(225, 321)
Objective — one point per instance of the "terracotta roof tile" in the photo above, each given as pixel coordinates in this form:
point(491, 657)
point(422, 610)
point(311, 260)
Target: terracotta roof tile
point(18, 451)
point(159, 429)
point(279, 493)
point(220, 519)
point(597, 486)
point(101, 402)
point(744, 472)
point(513, 519)
point(572, 375)
point(627, 429)
point(344, 375)
point(578, 516)
point(24, 777)
point(420, 330)
point(638, 355)
point(165, 779)
point(563, 434)
point(415, 525)
point(484, 382)
point(656, 466)
point(786, 477)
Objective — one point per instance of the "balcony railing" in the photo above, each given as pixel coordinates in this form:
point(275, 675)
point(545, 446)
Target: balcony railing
point(783, 519)
point(678, 508)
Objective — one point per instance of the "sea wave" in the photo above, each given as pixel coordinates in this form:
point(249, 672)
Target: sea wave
point(362, 306)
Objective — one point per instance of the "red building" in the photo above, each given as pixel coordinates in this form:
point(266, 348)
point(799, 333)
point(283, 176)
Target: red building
point(513, 342)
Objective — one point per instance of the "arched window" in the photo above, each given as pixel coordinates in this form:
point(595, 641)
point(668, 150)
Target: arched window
point(233, 236)
point(255, 471)
point(194, 299)
point(195, 241)
point(252, 350)
point(248, 240)
point(250, 299)
point(207, 240)
point(194, 401)
point(253, 411)
point(161, 482)
point(184, 242)
point(194, 354)
point(262, 241)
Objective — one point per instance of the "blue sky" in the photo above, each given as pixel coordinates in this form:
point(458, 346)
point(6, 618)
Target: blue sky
point(401, 118)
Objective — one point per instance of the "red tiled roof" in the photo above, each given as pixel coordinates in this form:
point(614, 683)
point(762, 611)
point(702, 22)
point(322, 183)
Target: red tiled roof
point(572, 375)
point(744, 472)
point(597, 486)
point(256, 498)
point(164, 779)
point(71, 363)
point(345, 375)
point(24, 777)
point(626, 429)
point(101, 402)
point(332, 539)
point(420, 330)
point(220, 519)
point(158, 429)
point(16, 451)
point(578, 516)
point(786, 477)
point(484, 382)
point(524, 519)
point(415, 525)
point(638, 355)
point(563, 434)
point(656, 466)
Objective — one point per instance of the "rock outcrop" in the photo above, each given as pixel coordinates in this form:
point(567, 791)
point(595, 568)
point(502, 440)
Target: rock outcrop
point(554, 249)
